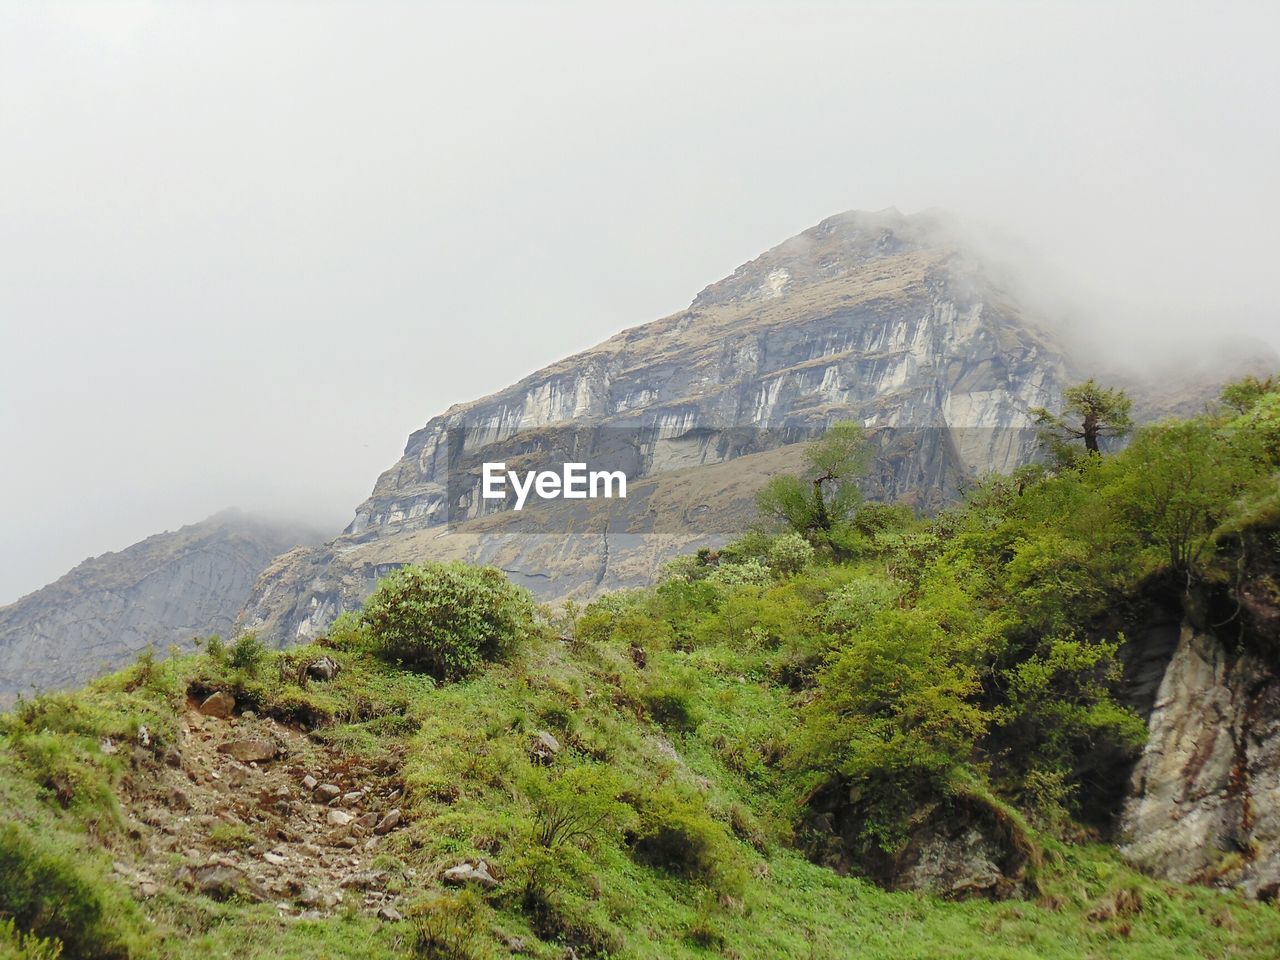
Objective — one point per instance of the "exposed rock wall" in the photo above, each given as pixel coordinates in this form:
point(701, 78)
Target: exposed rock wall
point(1204, 803)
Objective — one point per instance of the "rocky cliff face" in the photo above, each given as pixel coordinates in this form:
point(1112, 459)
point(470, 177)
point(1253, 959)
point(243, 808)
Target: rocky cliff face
point(880, 318)
point(1205, 799)
point(164, 590)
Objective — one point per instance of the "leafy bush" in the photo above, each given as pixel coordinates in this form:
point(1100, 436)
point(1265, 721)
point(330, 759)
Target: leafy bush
point(580, 806)
point(349, 632)
point(215, 650)
point(669, 699)
point(896, 713)
point(445, 619)
point(1181, 481)
point(749, 572)
point(790, 554)
point(854, 604)
point(15, 945)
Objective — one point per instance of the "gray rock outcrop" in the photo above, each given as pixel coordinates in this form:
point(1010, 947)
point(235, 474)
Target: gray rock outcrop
point(1204, 803)
point(167, 589)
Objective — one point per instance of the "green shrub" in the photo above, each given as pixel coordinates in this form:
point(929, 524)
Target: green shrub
point(704, 932)
point(230, 836)
point(215, 650)
point(749, 572)
point(449, 927)
point(349, 632)
point(669, 699)
point(47, 894)
point(579, 806)
point(894, 716)
point(790, 553)
point(15, 945)
point(68, 773)
point(445, 619)
point(247, 654)
point(557, 913)
point(675, 834)
point(851, 606)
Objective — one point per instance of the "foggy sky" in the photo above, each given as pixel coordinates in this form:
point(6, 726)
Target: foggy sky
point(245, 249)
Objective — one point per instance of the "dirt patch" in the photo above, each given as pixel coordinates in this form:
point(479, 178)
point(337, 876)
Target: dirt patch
point(301, 829)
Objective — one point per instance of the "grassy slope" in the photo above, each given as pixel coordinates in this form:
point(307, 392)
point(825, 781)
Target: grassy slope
point(464, 750)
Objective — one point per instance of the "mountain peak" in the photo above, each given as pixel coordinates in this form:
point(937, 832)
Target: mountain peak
point(836, 247)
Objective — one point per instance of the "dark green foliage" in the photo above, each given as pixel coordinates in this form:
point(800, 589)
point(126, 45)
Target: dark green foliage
point(446, 619)
point(45, 893)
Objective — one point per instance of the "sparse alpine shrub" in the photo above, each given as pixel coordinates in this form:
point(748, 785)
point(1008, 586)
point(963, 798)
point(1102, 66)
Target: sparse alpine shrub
point(449, 927)
point(445, 619)
point(247, 653)
point(215, 650)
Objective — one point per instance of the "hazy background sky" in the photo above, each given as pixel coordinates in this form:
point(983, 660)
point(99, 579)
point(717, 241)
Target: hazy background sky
point(246, 248)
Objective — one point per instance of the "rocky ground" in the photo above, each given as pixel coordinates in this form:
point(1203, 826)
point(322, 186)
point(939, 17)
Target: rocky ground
point(246, 806)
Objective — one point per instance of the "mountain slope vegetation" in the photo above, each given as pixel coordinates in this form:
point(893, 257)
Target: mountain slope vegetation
point(868, 735)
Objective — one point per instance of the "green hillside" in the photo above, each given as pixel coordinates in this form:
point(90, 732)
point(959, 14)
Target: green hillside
point(766, 755)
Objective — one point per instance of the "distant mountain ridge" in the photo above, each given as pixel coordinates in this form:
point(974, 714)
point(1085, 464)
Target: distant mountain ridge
point(164, 590)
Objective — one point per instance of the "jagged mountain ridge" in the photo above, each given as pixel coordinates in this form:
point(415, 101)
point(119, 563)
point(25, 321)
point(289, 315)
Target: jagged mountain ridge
point(163, 590)
point(879, 317)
